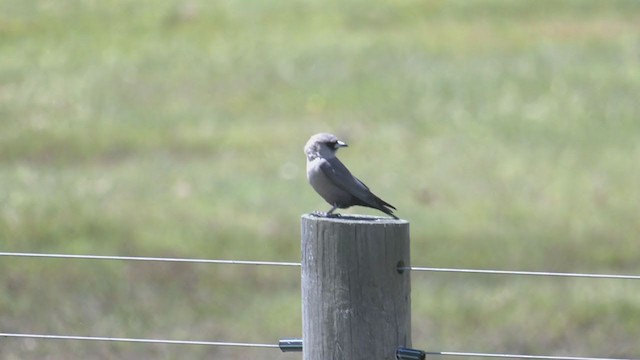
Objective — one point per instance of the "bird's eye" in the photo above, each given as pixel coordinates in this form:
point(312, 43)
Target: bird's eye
point(332, 144)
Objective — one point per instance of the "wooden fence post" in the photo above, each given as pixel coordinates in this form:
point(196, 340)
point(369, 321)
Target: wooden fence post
point(355, 303)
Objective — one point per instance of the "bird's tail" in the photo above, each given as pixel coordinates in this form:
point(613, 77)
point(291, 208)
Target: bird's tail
point(385, 207)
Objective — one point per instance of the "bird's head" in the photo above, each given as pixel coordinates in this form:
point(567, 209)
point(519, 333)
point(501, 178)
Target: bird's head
point(323, 145)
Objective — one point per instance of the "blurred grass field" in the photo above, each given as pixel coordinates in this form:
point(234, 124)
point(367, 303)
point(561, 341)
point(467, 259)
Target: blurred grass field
point(506, 132)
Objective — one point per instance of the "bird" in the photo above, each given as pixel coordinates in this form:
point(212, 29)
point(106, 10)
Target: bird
point(333, 181)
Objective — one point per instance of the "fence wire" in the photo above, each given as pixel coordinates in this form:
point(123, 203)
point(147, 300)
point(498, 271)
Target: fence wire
point(515, 356)
point(133, 340)
point(526, 273)
point(284, 345)
point(297, 264)
point(145, 258)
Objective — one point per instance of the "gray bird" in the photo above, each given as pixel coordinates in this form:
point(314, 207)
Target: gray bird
point(333, 181)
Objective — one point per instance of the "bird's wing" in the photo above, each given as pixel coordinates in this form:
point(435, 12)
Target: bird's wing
point(341, 177)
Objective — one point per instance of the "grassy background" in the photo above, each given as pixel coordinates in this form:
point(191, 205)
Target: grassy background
point(506, 132)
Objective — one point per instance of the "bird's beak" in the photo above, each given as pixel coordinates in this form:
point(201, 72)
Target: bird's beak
point(340, 144)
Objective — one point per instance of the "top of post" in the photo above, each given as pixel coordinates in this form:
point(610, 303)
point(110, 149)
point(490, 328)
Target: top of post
point(355, 218)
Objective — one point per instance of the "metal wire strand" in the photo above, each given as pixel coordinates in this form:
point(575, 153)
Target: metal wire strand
point(274, 346)
point(297, 264)
point(144, 258)
point(513, 356)
point(148, 341)
point(530, 273)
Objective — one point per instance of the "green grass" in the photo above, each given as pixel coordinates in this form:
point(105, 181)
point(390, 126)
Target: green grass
point(507, 133)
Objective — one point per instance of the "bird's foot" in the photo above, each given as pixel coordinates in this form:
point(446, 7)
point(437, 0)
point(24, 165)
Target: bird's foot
point(324, 214)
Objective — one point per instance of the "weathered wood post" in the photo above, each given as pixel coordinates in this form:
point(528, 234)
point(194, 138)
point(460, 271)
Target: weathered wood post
point(355, 303)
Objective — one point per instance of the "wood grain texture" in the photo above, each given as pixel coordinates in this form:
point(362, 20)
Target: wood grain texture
point(355, 303)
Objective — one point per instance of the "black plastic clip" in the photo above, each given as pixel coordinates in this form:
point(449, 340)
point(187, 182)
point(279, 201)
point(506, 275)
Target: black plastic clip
point(290, 345)
point(410, 354)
